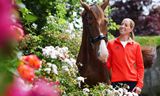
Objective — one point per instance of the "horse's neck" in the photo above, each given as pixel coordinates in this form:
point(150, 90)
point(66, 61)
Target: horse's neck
point(86, 52)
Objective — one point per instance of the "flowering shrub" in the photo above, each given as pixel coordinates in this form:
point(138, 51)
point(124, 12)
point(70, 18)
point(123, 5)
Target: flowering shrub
point(61, 58)
point(55, 53)
point(59, 66)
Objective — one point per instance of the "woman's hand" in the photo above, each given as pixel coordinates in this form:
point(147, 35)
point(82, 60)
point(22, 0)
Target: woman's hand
point(137, 90)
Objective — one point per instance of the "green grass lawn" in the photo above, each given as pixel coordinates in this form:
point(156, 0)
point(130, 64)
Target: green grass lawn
point(148, 40)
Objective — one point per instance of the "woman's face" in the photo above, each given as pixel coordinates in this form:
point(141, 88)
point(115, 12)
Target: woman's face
point(125, 27)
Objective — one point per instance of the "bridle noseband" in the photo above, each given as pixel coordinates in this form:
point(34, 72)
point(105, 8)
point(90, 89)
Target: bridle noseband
point(98, 38)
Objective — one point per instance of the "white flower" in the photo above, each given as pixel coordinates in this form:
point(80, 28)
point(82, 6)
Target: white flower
point(54, 69)
point(129, 94)
point(110, 93)
point(48, 70)
point(79, 80)
point(86, 90)
point(70, 28)
point(34, 26)
point(116, 93)
point(74, 13)
point(73, 62)
point(134, 94)
point(65, 68)
point(49, 64)
point(56, 53)
point(128, 87)
point(61, 56)
point(120, 90)
point(64, 49)
point(53, 54)
point(125, 91)
point(50, 51)
point(62, 52)
point(50, 19)
point(80, 64)
point(19, 54)
point(110, 86)
point(72, 36)
point(68, 62)
point(47, 50)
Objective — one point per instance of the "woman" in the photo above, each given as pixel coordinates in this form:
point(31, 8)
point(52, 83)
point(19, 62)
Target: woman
point(125, 60)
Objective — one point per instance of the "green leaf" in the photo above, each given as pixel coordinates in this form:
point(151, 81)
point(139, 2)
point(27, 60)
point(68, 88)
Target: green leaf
point(30, 18)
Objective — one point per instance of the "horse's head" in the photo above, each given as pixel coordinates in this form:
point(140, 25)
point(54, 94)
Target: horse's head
point(95, 26)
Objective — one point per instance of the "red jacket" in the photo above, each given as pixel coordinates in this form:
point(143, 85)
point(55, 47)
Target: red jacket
point(126, 64)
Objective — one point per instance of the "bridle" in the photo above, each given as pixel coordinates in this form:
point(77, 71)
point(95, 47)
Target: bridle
point(92, 39)
point(98, 38)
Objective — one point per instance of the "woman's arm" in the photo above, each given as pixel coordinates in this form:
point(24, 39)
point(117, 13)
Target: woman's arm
point(140, 67)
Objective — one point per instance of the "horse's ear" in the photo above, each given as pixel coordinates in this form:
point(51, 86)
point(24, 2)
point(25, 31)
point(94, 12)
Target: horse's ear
point(85, 6)
point(104, 5)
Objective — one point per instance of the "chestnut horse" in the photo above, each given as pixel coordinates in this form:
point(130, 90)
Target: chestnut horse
point(93, 52)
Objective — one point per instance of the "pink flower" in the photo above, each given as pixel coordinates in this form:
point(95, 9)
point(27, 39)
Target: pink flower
point(18, 88)
point(5, 21)
point(42, 87)
point(17, 32)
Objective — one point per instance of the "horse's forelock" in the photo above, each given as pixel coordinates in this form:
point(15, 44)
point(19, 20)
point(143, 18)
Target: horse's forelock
point(97, 11)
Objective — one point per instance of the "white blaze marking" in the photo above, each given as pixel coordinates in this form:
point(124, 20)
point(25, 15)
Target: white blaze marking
point(103, 51)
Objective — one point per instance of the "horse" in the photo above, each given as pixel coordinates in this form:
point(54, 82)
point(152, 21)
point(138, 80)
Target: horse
point(93, 51)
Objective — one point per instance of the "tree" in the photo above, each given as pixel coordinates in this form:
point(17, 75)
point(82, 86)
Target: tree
point(150, 25)
point(36, 12)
